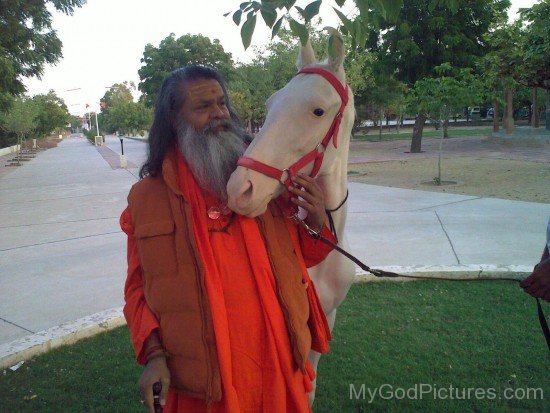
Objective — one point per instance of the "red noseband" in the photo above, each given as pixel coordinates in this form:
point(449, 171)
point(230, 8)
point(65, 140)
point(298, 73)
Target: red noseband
point(284, 176)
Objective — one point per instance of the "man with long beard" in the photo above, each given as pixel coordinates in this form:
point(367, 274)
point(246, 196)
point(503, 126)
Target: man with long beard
point(220, 307)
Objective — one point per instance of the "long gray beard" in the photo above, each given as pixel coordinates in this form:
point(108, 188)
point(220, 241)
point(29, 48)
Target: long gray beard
point(212, 156)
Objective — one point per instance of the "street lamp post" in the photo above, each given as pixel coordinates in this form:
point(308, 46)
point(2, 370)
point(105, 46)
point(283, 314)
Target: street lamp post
point(123, 161)
point(96, 125)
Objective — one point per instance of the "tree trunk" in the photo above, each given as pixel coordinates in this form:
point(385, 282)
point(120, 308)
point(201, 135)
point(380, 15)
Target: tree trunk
point(509, 111)
point(446, 128)
point(495, 116)
point(380, 130)
point(416, 143)
point(398, 122)
point(548, 109)
point(535, 122)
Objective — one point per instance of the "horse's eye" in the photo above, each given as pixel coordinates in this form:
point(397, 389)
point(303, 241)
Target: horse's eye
point(318, 112)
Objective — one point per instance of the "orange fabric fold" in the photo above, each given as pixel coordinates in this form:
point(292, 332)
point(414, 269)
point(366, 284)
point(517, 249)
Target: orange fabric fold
point(318, 324)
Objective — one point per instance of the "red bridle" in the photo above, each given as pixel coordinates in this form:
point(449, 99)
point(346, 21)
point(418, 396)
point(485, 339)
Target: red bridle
point(317, 154)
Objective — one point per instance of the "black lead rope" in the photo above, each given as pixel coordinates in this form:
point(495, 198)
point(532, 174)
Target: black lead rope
point(329, 214)
point(543, 324)
point(388, 274)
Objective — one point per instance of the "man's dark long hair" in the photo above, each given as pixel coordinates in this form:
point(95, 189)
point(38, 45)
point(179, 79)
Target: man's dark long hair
point(163, 132)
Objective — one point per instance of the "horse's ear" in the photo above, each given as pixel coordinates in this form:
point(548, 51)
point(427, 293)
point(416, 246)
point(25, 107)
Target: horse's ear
point(306, 56)
point(336, 51)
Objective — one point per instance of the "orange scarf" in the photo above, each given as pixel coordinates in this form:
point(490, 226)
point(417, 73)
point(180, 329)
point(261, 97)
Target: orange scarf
point(275, 322)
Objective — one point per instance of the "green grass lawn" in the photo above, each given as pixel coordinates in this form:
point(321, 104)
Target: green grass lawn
point(373, 136)
point(482, 335)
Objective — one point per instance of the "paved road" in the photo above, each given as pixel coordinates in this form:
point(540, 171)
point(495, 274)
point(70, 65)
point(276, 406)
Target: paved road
point(62, 254)
point(61, 249)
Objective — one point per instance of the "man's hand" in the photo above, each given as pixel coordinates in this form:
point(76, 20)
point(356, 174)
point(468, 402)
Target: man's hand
point(312, 200)
point(538, 283)
point(156, 370)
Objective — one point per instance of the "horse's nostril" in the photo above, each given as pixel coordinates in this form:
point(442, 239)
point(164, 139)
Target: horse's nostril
point(245, 195)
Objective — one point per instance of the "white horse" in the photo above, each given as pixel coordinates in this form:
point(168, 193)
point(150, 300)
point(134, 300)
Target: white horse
point(298, 117)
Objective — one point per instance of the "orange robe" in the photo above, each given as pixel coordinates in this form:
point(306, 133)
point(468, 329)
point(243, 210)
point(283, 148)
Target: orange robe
point(264, 379)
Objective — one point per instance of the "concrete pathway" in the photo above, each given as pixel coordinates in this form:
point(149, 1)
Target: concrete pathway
point(63, 255)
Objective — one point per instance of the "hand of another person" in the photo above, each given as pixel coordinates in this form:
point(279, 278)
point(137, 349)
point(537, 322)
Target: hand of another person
point(155, 371)
point(312, 200)
point(538, 283)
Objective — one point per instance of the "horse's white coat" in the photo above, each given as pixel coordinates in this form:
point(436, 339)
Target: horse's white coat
point(290, 131)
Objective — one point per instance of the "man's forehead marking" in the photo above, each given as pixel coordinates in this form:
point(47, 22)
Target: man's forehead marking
point(205, 88)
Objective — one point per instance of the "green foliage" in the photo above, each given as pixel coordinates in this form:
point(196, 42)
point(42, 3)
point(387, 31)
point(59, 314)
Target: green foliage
point(502, 62)
point(131, 117)
point(536, 45)
point(75, 123)
point(27, 41)
point(172, 54)
point(52, 114)
point(241, 100)
point(248, 29)
point(441, 97)
point(119, 112)
point(419, 40)
point(298, 29)
point(90, 135)
point(360, 75)
point(21, 118)
point(276, 12)
point(37, 117)
point(117, 94)
point(271, 70)
point(387, 94)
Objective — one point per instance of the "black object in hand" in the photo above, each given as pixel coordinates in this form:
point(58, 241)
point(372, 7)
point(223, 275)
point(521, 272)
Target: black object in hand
point(157, 387)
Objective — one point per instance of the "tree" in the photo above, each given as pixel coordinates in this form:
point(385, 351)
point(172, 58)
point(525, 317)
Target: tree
point(76, 123)
point(536, 46)
point(379, 91)
point(20, 119)
point(51, 114)
point(174, 53)
point(241, 99)
point(502, 66)
point(427, 34)
point(129, 117)
point(117, 94)
point(439, 98)
point(120, 113)
point(27, 41)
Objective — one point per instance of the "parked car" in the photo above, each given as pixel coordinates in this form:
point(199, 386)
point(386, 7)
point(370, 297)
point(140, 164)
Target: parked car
point(474, 111)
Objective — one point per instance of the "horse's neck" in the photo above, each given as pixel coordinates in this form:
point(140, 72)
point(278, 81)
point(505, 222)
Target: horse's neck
point(335, 186)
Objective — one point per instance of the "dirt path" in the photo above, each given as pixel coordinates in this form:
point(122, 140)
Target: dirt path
point(481, 166)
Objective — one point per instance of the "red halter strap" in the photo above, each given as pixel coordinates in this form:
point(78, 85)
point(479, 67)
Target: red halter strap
point(317, 154)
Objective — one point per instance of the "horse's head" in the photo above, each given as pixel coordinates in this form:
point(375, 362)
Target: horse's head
point(298, 118)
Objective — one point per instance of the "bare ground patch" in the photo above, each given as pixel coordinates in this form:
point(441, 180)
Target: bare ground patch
point(496, 178)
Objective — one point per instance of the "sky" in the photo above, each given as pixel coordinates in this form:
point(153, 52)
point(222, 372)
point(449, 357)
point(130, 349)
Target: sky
point(104, 40)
